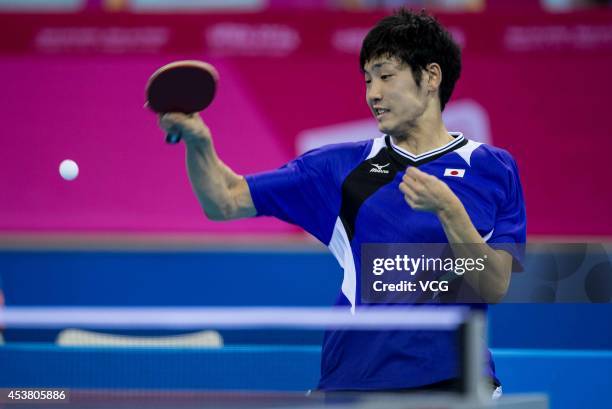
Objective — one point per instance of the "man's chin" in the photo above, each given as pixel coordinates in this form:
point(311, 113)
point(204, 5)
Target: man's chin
point(384, 129)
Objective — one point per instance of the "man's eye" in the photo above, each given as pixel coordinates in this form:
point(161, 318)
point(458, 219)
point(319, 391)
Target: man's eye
point(385, 76)
point(368, 81)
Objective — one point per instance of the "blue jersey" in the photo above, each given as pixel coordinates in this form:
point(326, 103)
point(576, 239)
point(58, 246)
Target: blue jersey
point(346, 195)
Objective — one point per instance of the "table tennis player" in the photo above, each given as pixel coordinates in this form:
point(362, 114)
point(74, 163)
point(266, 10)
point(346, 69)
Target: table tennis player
point(419, 183)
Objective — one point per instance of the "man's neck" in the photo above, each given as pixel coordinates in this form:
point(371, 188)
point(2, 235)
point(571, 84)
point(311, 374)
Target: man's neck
point(423, 138)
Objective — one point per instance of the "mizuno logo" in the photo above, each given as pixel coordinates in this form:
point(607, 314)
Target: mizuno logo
point(379, 168)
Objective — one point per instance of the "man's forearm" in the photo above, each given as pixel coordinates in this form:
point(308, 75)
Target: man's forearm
point(492, 283)
point(211, 180)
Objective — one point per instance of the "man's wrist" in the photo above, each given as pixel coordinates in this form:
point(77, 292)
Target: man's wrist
point(449, 208)
point(198, 142)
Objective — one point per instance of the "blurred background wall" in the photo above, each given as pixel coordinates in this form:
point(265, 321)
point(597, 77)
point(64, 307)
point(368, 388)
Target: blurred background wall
point(533, 82)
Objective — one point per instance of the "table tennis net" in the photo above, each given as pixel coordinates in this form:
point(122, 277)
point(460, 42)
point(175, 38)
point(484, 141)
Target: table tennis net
point(153, 351)
point(211, 327)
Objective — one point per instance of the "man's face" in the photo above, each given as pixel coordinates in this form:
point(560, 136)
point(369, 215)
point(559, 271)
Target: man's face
point(393, 95)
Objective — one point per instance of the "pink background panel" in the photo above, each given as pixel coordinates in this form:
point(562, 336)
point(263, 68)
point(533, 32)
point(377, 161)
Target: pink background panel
point(89, 109)
point(547, 105)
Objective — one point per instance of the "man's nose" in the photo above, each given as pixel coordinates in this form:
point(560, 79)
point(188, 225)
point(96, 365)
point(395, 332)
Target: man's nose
point(374, 93)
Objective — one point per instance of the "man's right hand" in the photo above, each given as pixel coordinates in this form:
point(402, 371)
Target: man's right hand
point(192, 127)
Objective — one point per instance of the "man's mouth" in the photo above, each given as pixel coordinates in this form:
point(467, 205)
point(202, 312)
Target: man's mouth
point(380, 112)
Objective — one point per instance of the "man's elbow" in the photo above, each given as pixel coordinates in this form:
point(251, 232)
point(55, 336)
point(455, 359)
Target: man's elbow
point(494, 297)
point(219, 214)
point(215, 217)
point(495, 294)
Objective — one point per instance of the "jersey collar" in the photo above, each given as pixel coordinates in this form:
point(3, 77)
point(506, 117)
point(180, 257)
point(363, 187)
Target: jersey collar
point(406, 158)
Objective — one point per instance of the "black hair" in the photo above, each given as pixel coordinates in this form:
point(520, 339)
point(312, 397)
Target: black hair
point(416, 39)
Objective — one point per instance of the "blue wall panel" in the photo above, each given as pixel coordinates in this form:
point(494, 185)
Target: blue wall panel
point(572, 379)
point(225, 278)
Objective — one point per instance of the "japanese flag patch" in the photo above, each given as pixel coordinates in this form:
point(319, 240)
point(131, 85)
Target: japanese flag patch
point(458, 173)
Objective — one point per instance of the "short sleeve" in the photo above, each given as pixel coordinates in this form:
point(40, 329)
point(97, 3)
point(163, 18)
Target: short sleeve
point(304, 192)
point(510, 228)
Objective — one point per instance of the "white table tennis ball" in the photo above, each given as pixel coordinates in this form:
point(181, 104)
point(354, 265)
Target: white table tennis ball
point(68, 169)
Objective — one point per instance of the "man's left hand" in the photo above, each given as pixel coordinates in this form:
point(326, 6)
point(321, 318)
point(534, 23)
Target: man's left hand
point(426, 192)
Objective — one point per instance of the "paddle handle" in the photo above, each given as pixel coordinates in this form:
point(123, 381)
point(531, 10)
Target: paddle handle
point(173, 137)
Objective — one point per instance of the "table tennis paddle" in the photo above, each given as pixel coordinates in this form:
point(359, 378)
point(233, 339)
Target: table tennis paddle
point(182, 86)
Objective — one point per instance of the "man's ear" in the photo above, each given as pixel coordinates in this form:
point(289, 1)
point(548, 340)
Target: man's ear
point(434, 76)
